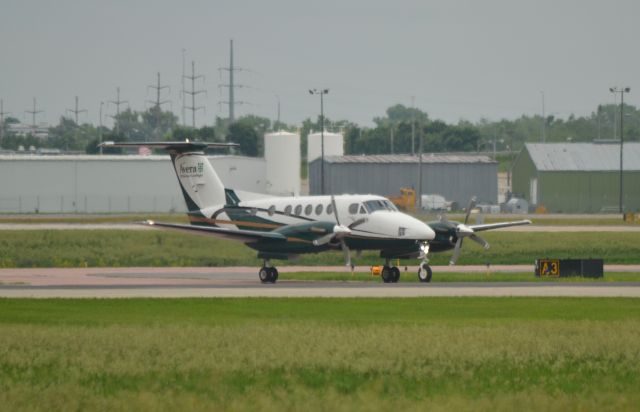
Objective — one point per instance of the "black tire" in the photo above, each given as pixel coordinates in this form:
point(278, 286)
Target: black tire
point(396, 274)
point(274, 274)
point(387, 274)
point(264, 274)
point(425, 273)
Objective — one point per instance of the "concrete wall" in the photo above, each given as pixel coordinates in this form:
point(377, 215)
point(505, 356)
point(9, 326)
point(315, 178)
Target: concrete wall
point(103, 184)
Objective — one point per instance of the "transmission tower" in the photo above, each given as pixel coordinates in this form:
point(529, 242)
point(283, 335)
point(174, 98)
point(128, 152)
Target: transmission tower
point(77, 111)
point(158, 103)
point(33, 113)
point(2, 114)
point(117, 102)
point(193, 93)
point(231, 85)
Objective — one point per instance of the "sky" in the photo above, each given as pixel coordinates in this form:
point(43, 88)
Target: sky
point(455, 59)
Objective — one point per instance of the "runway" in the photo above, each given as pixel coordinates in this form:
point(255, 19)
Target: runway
point(243, 282)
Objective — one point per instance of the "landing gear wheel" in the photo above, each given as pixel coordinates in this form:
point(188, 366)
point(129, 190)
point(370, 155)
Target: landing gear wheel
point(387, 274)
point(395, 272)
point(424, 273)
point(265, 275)
point(274, 274)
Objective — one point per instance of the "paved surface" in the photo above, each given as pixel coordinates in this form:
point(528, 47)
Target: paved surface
point(134, 226)
point(242, 282)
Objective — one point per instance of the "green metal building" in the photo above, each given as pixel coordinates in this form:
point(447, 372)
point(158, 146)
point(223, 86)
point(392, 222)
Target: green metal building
point(578, 177)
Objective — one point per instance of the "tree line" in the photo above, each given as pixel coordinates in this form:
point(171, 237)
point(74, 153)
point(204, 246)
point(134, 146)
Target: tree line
point(401, 130)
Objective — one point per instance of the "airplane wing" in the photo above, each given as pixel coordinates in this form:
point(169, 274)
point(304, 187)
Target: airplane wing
point(234, 234)
point(491, 226)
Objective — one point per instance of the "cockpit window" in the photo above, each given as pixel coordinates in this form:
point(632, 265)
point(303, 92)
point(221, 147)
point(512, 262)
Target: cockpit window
point(375, 205)
point(362, 211)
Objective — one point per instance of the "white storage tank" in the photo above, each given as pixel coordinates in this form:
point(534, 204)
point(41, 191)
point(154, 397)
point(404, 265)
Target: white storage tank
point(333, 145)
point(282, 157)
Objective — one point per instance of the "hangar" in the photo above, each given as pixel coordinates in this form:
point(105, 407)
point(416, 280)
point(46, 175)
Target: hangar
point(457, 177)
point(110, 183)
point(577, 177)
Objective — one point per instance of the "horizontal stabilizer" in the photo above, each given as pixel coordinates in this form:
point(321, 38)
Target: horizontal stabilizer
point(178, 147)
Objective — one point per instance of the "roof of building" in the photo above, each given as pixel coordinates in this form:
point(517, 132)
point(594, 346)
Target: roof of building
point(426, 158)
point(583, 156)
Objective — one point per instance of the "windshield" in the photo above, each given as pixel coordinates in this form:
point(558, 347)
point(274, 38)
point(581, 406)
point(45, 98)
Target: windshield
point(374, 205)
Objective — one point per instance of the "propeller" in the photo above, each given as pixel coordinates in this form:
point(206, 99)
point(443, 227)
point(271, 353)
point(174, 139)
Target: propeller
point(339, 233)
point(464, 231)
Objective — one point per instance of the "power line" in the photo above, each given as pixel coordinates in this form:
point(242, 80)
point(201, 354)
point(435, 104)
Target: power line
point(117, 102)
point(158, 103)
point(76, 111)
point(193, 93)
point(33, 113)
point(231, 85)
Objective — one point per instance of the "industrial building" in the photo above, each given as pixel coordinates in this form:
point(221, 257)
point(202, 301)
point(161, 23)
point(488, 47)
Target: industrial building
point(456, 177)
point(577, 177)
point(109, 184)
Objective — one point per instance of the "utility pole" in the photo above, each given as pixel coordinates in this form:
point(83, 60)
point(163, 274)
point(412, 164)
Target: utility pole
point(2, 114)
point(321, 92)
point(622, 91)
point(100, 126)
point(158, 103)
point(77, 111)
point(544, 121)
point(193, 93)
point(391, 136)
point(33, 114)
point(419, 191)
point(184, 119)
point(118, 102)
point(231, 85)
point(413, 125)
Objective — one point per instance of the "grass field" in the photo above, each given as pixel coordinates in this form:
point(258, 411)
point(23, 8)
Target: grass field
point(77, 248)
point(320, 354)
point(412, 277)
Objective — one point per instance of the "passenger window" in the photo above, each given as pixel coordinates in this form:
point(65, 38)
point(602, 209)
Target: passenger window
point(287, 210)
point(272, 210)
point(353, 208)
point(308, 209)
point(298, 210)
point(318, 209)
point(329, 209)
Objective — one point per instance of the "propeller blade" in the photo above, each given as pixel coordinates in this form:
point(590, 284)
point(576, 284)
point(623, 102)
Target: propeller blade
point(456, 252)
point(472, 203)
point(480, 241)
point(323, 240)
point(357, 222)
point(335, 209)
point(347, 253)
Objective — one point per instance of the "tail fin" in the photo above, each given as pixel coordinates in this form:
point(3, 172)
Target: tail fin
point(200, 185)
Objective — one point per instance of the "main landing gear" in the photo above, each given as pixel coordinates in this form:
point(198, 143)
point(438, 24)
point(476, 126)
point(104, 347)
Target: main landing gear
point(390, 274)
point(268, 273)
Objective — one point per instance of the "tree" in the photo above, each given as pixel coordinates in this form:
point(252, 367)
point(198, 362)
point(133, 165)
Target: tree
point(246, 136)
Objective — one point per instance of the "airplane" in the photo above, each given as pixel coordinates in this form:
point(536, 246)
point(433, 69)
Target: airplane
point(285, 227)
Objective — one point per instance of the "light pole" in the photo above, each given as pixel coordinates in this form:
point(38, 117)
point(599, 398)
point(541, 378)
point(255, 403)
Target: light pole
point(622, 91)
point(321, 92)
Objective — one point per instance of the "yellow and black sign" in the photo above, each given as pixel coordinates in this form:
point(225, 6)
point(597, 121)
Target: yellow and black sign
point(548, 268)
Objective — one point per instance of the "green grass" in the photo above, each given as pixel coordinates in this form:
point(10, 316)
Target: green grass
point(99, 248)
point(412, 277)
point(90, 218)
point(320, 354)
